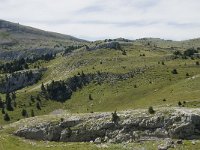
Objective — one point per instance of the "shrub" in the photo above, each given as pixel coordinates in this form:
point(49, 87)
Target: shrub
point(90, 97)
point(179, 103)
point(190, 52)
point(123, 52)
point(174, 71)
point(197, 63)
point(177, 53)
point(151, 110)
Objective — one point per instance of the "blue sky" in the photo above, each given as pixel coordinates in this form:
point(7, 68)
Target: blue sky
point(100, 19)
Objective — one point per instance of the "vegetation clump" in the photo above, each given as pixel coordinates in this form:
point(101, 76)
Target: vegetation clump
point(174, 71)
point(90, 97)
point(190, 52)
point(21, 64)
point(62, 90)
point(187, 53)
point(151, 110)
point(179, 103)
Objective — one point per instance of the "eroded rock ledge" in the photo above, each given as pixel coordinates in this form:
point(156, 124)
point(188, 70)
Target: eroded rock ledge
point(20, 79)
point(177, 123)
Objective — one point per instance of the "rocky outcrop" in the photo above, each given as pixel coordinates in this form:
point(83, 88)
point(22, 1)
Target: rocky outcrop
point(132, 126)
point(20, 79)
point(111, 45)
point(62, 90)
point(26, 53)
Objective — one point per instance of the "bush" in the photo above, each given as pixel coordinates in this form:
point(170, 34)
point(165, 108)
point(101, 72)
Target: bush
point(174, 71)
point(197, 63)
point(90, 97)
point(179, 103)
point(151, 110)
point(123, 52)
point(190, 52)
point(177, 53)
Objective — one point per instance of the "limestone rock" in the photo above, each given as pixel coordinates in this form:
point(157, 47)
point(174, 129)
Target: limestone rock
point(97, 140)
point(132, 126)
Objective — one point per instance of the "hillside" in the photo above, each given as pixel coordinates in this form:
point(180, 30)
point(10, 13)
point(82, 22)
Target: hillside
point(18, 41)
point(55, 73)
point(15, 29)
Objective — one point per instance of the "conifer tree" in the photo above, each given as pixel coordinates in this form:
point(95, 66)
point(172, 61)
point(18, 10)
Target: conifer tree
point(8, 102)
point(6, 117)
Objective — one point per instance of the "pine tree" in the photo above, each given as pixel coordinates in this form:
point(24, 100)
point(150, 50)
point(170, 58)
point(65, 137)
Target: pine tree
point(24, 113)
point(6, 117)
point(38, 106)
point(8, 102)
point(1, 103)
point(38, 98)
point(13, 96)
point(3, 111)
point(32, 113)
point(43, 89)
point(115, 117)
point(32, 99)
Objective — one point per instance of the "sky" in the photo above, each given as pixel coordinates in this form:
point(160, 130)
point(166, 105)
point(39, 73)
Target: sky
point(103, 19)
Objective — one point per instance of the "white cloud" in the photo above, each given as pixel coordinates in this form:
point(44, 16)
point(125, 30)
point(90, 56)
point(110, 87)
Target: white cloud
point(94, 19)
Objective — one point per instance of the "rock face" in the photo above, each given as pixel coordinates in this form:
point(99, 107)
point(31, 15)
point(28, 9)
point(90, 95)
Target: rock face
point(131, 126)
point(111, 45)
point(19, 80)
point(26, 53)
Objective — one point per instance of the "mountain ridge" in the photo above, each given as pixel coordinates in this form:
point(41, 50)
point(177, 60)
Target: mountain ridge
point(17, 28)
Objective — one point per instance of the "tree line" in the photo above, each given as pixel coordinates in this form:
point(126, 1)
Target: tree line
point(62, 90)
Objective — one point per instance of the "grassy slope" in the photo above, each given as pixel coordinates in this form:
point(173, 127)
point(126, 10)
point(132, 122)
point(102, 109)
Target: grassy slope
point(156, 84)
point(153, 86)
point(16, 39)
